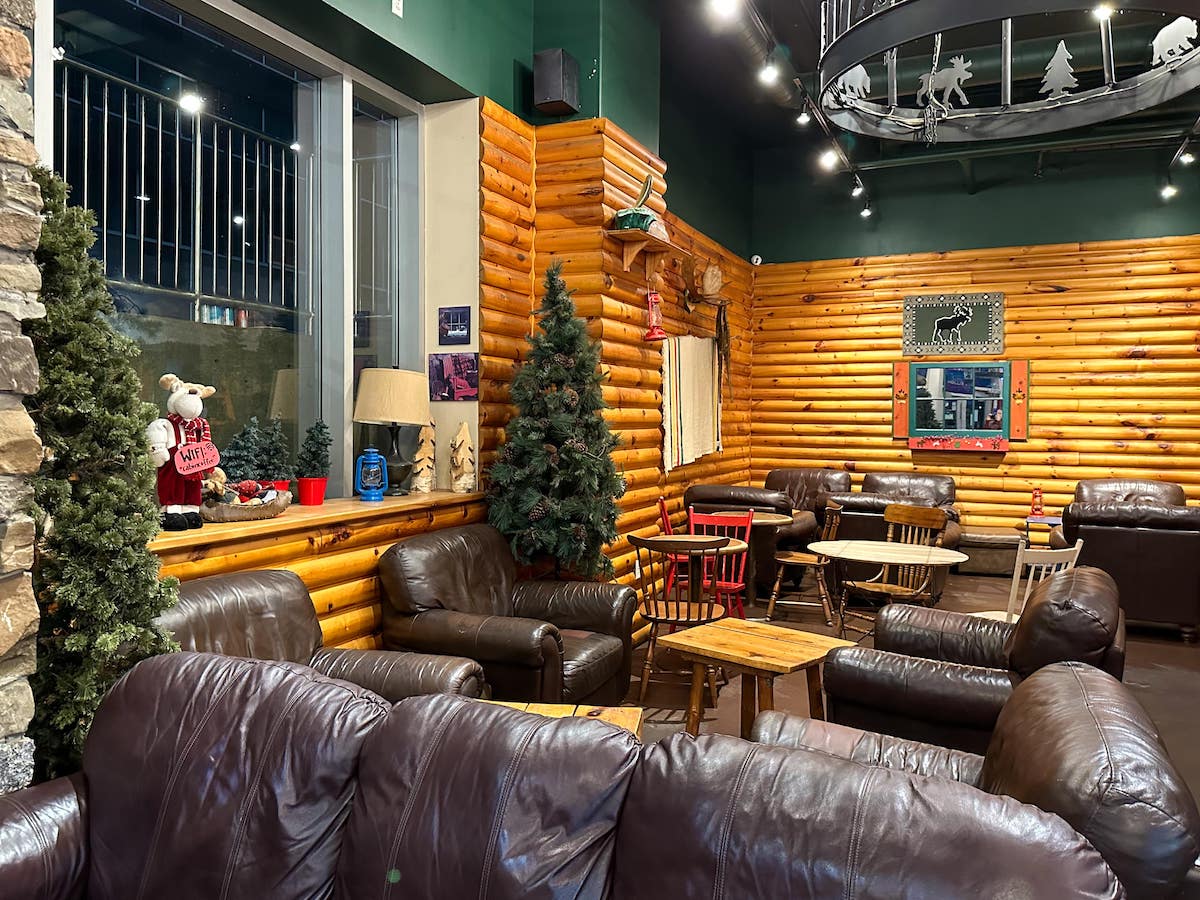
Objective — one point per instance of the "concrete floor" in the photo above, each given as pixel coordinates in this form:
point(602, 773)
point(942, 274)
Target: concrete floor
point(1162, 671)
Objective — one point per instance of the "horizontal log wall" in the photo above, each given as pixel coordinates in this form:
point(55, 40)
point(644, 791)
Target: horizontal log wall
point(1112, 331)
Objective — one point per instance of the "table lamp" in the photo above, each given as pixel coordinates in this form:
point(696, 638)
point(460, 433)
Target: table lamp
point(393, 397)
point(285, 395)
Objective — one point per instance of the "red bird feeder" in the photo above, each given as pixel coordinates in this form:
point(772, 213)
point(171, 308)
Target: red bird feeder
point(655, 318)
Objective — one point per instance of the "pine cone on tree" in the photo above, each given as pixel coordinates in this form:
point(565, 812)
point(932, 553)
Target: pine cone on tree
point(577, 445)
point(551, 453)
point(561, 359)
point(540, 510)
point(571, 398)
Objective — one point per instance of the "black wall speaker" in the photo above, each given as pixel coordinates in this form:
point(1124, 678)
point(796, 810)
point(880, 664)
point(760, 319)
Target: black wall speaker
point(555, 82)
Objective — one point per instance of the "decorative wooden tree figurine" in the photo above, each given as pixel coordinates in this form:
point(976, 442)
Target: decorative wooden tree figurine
point(462, 462)
point(424, 466)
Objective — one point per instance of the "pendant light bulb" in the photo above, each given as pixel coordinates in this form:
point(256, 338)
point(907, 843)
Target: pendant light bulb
point(769, 73)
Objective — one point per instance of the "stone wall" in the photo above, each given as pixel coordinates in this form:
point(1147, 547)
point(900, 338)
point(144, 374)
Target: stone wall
point(20, 449)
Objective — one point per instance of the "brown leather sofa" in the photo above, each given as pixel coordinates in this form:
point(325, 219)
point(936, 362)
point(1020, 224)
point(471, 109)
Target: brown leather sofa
point(208, 776)
point(1145, 536)
point(1071, 741)
point(943, 677)
point(862, 513)
point(456, 591)
point(706, 498)
point(805, 488)
point(270, 615)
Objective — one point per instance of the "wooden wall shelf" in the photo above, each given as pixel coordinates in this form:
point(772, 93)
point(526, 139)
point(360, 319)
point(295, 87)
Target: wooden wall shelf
point(637, 241)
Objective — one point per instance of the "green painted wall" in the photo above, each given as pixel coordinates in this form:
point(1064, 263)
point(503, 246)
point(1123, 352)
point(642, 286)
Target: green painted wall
point(630, 68)
point(801, 214)
point(574, 26)
point(709, 173)
point(450, 49)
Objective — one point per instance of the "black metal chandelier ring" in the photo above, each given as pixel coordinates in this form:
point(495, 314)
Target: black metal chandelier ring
point(848, 44)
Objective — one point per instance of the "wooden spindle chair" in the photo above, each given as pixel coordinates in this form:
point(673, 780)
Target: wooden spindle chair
point(787, 559)
point(1041, 564)
point(912, 525)
point(666, 604)
point(726, 571)
point(678, 561)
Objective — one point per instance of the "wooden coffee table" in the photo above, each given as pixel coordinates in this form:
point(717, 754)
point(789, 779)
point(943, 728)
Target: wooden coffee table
point(627, 717)
point(758, 653)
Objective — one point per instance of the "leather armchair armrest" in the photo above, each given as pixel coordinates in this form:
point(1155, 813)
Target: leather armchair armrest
point(396, 675)
point(498, 639)
point(43, 841)
point(583, 605)
point(925, 690)
point(952, 534)
point(942, 635)
point(803, 528)
point(798, 733)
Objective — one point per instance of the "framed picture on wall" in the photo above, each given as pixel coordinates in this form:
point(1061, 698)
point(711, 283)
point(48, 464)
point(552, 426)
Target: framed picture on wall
point(454, 325)
point(453, 376)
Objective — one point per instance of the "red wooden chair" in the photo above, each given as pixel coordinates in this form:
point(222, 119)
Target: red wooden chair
point(673, 560)
point(727, 572)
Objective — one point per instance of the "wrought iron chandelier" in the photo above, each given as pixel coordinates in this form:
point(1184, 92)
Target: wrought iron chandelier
point(858, 33)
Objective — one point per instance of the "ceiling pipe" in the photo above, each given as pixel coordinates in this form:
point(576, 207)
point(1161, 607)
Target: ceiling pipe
point(757, 44)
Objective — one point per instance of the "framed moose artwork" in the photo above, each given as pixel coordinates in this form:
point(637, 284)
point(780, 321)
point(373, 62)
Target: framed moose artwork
point(954, 325)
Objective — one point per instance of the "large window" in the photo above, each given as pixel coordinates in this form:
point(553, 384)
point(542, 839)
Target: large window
point(204, 159)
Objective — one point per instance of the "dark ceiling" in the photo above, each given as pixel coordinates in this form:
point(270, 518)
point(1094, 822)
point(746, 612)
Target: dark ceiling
point(703, 70)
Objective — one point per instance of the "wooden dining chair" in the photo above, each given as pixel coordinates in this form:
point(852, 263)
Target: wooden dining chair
point(803, 560)
point(679, 560)
point(726, 572)
point(665, 604)
point(907, 583)
point(1041, 564)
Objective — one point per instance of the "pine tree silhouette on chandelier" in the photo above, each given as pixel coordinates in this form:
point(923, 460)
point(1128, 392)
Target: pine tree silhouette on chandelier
point(1060, 77)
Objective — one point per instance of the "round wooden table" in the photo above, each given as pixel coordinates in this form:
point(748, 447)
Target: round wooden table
point(762, 520)
point(883, 553)
point(693, 546)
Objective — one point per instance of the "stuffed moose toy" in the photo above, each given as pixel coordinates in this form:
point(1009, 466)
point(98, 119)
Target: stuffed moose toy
point(182, 450)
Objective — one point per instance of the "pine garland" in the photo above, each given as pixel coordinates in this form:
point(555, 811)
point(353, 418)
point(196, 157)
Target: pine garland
point(97, 585)
point(554, 487)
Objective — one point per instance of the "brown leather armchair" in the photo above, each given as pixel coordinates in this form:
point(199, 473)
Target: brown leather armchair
point(269, 615)
point(456, 591)
point(805, 488)
point(329, 791)
point(1072, 741)
point(1145, 536)
point(862, 513)
point(706, 498)
point(943, 677)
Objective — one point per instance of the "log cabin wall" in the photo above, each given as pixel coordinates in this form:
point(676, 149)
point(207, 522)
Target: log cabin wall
point(1112, 331)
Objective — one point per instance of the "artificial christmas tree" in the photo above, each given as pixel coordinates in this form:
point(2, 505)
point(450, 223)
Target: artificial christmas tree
point(97, 585)
point(276, 463)
point(1060, 76)
point(312, 464)
point(243, 458)
point(554, 487)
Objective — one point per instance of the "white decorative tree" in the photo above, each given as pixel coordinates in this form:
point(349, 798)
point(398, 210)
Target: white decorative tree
point(1060, 76)
point(462, 461)
point(424, 466)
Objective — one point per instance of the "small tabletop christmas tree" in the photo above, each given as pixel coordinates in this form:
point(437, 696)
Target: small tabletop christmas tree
point(1060, 76)
point(242, 460)
point(97, 584)
point(276, 462)
point(313, 459)
point(554, 487)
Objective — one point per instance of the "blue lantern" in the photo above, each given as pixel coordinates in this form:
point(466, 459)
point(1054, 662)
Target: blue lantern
point(370, 476)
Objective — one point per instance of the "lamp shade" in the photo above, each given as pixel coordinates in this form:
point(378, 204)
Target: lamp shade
point(392, 396)
point(285, 395)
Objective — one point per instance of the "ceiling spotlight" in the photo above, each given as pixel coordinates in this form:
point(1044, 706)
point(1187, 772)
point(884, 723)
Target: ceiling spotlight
point(829, 160)
point(191, 103)
point(238, 220)
point(769, 73)
point(859, 190)
point(1187, 157)
point(724, 9)
point(1103, 12)
point(867, 212)
point(295, 146)
point(1168, 191)
point(804, 118)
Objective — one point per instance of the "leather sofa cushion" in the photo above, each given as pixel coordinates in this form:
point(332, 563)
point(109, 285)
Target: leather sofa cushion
point(719, 817)
point(876, 503)
point(720, 496)
point(468, 569)
point(1124, 490)
point(805, 486)
point(210, 776)
point(589, 660)
point(259, 615)
point(1072, 615)
point(1132, 515)
point(459, 798)
point(1073, 741)
point(937, 490)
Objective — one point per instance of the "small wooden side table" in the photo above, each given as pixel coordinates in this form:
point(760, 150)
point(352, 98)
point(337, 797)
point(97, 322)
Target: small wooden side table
point(627, 717)
point(759, 653)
